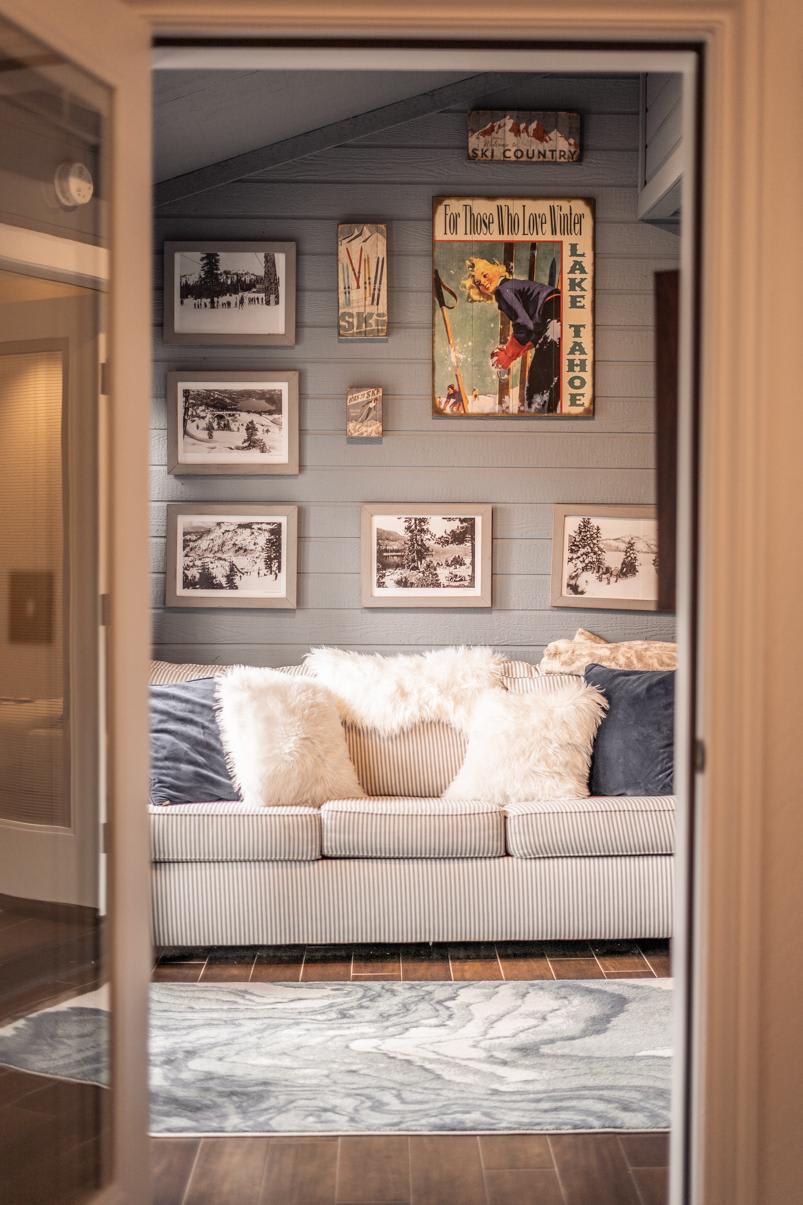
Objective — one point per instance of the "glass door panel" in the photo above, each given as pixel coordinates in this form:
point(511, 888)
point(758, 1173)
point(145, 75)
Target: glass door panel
point(54, 1000)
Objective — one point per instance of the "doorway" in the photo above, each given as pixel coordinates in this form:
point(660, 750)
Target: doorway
point(169, 646)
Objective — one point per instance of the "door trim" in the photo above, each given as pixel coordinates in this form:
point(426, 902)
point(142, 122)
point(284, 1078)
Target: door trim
point(108, 40)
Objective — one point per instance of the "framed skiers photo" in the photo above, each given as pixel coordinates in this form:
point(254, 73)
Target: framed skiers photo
point(426, 556)
point(513, 307)
point(605, 557)
point(230, 294)
point(232, 423)
point(231, 555)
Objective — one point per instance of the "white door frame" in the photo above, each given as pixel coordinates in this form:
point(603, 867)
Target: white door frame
point(108, 40)
point(744, 850)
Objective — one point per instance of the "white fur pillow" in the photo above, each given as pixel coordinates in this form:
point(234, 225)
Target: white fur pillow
point(284, 743)
point(530, 746)
point(390, 694)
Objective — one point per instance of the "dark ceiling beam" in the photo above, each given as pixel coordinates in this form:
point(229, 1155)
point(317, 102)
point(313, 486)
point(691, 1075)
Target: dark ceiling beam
point(226, 171)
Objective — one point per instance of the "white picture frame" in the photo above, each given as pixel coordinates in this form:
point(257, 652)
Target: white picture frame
point(422, 555)
point(605, 557)
point(225, 294)
point(232, 423)
point(231, 555)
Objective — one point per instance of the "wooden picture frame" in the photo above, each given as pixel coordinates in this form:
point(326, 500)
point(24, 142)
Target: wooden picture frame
point(243, 549)
point(611, 537)
point(273, 436)
point(528, 351)
point(247, 299)
point(469, 565)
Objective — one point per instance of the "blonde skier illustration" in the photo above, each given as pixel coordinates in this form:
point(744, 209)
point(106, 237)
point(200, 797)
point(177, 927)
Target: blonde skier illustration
point(534, 312)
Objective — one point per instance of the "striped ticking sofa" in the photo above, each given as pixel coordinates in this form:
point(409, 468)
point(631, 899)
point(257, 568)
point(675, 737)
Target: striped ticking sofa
point(405, 865)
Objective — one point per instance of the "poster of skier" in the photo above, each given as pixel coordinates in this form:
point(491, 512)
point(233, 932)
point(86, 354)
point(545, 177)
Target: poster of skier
point(513, 307)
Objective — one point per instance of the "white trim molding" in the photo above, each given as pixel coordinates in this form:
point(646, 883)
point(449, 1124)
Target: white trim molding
point(35, 253)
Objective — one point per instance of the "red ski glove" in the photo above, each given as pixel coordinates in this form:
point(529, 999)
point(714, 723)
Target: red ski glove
point(504, 356)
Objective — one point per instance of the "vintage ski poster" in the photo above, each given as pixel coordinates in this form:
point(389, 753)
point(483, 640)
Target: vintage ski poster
point(362, 281)
point(364, 414)
point(513, 307)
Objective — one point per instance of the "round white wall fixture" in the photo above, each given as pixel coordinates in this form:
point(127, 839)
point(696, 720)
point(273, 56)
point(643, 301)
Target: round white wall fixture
point(74, 184)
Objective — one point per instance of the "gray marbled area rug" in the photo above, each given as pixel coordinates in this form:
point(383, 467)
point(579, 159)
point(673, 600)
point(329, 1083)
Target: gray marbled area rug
point(362, 1058)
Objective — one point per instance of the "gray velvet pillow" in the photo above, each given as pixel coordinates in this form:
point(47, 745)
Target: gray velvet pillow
point(634, 749)
point(187, 760)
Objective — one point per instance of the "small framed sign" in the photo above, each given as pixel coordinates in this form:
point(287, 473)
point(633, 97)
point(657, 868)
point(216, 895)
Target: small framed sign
point(523, 136)
point(364, 414)
point(362, 280)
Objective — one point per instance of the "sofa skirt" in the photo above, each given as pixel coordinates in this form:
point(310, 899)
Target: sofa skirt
point(387, 900)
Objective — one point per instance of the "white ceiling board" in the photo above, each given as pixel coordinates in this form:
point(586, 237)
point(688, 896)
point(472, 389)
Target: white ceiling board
point(202, 117)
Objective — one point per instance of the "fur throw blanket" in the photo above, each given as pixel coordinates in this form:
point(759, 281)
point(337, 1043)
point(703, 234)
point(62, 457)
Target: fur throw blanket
point(572, 656)
point(391, 694)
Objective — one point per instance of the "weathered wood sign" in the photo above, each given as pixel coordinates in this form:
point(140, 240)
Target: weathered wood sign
point(364, 413)
point(524, 136)
point(513, 306)
point(362, 280)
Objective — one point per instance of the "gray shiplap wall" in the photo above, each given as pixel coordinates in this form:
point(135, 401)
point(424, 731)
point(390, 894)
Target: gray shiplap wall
point(663, 119)
point(522, 467)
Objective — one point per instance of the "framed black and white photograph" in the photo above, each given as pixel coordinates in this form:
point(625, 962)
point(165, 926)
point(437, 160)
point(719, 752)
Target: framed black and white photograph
point(426, 556)
point(231, 555)
point(236, 294)
point(605, 557)
point(232, 423)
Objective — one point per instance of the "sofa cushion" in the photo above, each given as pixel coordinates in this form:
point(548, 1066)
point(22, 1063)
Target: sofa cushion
point(599, 826)
point(234, 832)
point(163, 673)
point(533, 746)
point(634, 753)
point(411, 828)
point(422, 760)
point(188, 764)
point(284, 740)
point(539, 684)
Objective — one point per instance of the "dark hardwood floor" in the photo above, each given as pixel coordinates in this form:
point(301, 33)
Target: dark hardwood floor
point(465, 1169)
point(53, 1135)
point(475, 960)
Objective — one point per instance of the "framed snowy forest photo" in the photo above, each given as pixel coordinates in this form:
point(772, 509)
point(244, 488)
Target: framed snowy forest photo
point(233, 423)
point(230, 294)
point(605, 557)
point(426, 556)
point(231, 555)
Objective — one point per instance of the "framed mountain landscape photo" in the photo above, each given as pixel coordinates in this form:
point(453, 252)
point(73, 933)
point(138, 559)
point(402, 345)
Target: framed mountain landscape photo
point(230, 294)
point(232, 423)
point(513, 307)
point(605, 557)
point(426, 556)
point(231, 555)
